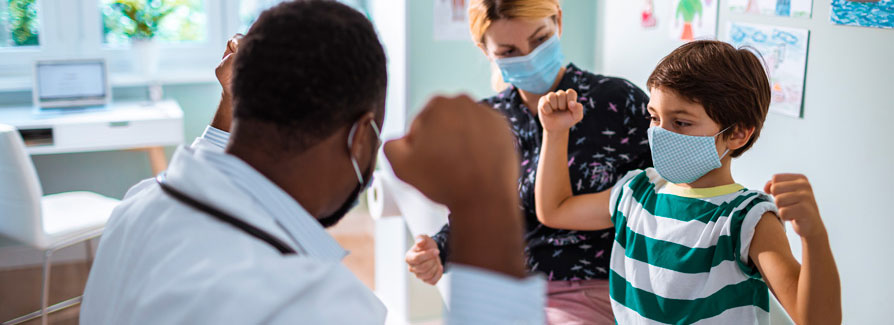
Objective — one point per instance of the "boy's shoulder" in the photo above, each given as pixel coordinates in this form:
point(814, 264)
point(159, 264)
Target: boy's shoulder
point(634, 183)
point(640, 176)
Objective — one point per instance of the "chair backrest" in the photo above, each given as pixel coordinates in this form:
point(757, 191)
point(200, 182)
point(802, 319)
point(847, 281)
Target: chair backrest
point(20, 191)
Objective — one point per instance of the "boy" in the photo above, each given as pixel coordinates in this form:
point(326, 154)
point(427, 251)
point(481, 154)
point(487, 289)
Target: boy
point(692, 245)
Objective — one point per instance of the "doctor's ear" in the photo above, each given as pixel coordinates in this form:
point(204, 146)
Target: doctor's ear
point(363, 136)
point(738, 137)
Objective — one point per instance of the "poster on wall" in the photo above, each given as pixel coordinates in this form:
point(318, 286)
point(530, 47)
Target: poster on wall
point(784, 8)
point(784, 52)
point(450, 20)
point(694, 19)
point(866, 13)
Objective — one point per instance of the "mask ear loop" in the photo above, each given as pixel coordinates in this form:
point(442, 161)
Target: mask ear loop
point(719, 133)
point(350, 153)
point(351, 145)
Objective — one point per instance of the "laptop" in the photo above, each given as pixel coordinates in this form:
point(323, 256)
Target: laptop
point(81, 83)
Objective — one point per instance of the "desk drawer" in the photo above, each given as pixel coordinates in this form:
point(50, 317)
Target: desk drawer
point(114, 135)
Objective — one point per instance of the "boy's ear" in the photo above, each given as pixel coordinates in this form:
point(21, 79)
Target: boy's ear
point(738, 137)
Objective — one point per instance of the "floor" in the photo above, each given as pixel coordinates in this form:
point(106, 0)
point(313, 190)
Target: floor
point(20, 288)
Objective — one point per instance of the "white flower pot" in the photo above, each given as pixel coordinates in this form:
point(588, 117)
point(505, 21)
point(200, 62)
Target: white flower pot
point(145, 56)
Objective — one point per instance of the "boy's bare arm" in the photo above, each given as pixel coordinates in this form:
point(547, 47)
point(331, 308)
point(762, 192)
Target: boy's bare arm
point(556, 206)
point(811, 293)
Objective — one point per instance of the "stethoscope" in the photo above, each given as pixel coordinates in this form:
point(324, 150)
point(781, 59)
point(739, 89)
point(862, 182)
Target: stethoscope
point(223, 216)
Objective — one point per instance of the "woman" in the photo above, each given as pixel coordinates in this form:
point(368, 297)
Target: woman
point(521, 38)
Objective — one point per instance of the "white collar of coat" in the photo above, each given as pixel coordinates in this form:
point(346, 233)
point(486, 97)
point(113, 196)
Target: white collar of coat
point(229, 184)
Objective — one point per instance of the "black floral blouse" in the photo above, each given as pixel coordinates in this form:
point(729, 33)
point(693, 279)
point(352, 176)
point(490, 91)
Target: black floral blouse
point(609, 141)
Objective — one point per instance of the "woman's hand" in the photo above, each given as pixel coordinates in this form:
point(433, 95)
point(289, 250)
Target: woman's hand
point(424, 260)
point(559, 111)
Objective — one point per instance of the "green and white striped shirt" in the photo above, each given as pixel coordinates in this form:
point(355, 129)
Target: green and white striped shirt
point(681, 255)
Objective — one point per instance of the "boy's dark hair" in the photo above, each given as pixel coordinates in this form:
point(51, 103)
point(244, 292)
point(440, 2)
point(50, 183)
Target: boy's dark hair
point(308, 67)
point(730, 83)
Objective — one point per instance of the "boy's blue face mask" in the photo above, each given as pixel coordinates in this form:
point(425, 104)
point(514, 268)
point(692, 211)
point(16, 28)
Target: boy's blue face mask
point(681, 158)
point(536, 71)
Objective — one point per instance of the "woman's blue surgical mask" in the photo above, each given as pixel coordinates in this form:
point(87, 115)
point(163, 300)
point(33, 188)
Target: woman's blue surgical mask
point(537, 71)
point(681, 158)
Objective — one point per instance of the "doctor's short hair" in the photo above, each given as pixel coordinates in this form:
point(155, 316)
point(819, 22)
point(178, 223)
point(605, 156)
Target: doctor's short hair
point(308, 68)
point(731, 84)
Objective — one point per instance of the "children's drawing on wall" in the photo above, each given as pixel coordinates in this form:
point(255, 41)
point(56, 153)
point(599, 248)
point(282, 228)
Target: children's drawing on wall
point(784, 51)
point(694, 19)
point(648, 17)
point(785, 8)
point(867, 13)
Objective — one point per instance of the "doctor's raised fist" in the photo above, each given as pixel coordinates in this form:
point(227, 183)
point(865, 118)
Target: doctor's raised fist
point(559, 110)
point(457, 152)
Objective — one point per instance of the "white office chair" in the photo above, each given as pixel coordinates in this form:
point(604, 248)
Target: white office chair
point(48, 223)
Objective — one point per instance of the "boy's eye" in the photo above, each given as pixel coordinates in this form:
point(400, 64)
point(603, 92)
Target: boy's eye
point(652, 118)
point(681, 123)
point(506, 53)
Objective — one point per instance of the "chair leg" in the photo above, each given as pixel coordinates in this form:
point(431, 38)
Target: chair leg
point(45, 286)
point(45, 309)
point(89, 254)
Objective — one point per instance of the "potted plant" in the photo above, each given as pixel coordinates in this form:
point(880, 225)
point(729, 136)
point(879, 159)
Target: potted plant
point(141, 21)
point(22, 18)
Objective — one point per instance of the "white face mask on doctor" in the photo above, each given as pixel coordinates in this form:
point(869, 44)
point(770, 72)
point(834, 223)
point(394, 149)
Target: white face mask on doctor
point(364, 179)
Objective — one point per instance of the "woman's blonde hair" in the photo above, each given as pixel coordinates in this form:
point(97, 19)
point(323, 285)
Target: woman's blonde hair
point(482, 13)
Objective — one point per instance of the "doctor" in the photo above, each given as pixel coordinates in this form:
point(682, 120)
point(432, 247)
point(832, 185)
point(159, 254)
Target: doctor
point(233, 232)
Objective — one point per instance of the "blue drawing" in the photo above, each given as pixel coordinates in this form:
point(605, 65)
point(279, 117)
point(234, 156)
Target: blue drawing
point(784, 53)
point(879, 14)
point(783, 7)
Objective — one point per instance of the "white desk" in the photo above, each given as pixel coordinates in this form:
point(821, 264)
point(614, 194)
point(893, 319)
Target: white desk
point(119, 126)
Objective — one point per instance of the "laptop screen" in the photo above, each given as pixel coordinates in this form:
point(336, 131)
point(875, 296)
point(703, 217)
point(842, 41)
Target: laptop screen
point(75, 80)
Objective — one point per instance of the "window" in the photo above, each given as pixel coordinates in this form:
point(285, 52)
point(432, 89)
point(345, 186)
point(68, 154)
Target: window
point(250, 9)
point(190, 35)
point(19, 23)
point(170, 21)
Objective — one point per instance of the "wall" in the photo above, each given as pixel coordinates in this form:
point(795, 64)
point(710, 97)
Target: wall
point(840, 144)
point(449, 67)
